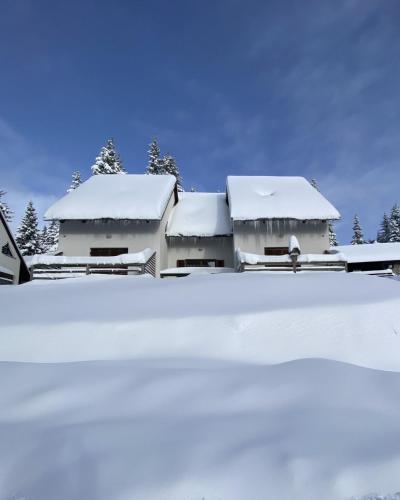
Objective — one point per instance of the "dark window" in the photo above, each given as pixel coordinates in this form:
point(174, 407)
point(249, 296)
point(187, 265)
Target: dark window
point(200, 263)
point(276, 250)
point(6, 250)
point(107, 252)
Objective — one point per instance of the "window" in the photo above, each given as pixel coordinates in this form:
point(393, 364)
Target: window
point(6, 250)
point(276, 250)
point(200, 263)
point(107, 252)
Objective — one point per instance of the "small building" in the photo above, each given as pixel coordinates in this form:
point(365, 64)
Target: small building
point(374, 258)
point(110, 215)
point(199, 232)
point(13, 269)
point(266, 211)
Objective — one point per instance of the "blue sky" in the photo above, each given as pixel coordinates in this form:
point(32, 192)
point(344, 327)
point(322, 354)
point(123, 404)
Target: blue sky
point(228, 87)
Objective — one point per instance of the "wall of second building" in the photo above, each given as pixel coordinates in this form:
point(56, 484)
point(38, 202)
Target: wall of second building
point(11, 263)
point(216, 247)
point(254, 236)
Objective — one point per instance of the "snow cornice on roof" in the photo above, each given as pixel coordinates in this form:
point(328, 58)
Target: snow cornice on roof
point(254, 198)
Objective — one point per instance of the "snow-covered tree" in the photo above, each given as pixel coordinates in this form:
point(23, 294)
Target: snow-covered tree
point(76, 181)
point(384, 230)
point(314, 184)
point(44, 240)
point(155, 165)
point(28, 235)
point(193, 189)
point(5, 208)
point(332, 235)
point(394, 224)
point(358, 237)
point(170, 167)
point(108, 161)
point(53, 236)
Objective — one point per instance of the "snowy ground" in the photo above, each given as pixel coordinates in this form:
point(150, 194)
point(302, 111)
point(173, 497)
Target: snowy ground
point(201, 387)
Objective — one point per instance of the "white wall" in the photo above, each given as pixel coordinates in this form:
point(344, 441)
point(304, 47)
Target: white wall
point(217, 247)
point(11, 263)
point(78, 237)
point(254, 236)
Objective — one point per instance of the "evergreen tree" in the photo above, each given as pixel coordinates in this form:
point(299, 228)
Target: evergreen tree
point(384, 230)
point(44, 240)
point(314, 184)
point(76, 181)
point(28, 236)
point(358, 237)
point(53, 236)
point(5, 208)
point(332, 235)
point(193, 189)
point(170, 167)
point(155, 165)
point(394, 224)
point(108, 161)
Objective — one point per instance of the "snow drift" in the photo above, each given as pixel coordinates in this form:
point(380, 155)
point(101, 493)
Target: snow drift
point(201, 387)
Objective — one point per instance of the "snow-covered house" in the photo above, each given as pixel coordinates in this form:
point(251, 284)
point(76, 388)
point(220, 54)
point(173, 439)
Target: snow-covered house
point(110, 215)
point(13, 269)
point(199, 232)
point(371, 258)
point(266, 211)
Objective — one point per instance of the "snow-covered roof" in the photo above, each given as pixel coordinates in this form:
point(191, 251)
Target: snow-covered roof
point(374, 252)
point(116, 197)
point(266, 197)
point(200, 214)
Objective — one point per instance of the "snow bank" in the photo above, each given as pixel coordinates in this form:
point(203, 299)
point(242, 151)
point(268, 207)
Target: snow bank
point(201, 215)
point(266, 197)
point(374, 252)
point(248, 317)
point(126, 258)
point(116, 197)
point(183, 429)
point(190, 400)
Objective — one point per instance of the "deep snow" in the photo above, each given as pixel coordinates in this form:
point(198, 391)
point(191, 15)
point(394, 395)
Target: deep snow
point(201, 387)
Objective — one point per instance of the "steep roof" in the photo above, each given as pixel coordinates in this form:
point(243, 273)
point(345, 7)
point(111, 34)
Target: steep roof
point(200, 214)
point(374, 252)
point(24, 274)
point(267, 197)
point(116, 197)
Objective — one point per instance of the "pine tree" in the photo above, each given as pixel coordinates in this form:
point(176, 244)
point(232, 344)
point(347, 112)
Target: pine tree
point(332, 235)
point(314, 184)
point(155, 165)
point(394, 224)
point(44, 240)
point(170, 167)
point(53, 236)
point(384, 230)
point(76, 181)
point(108, 161)
point(5, 208)
point(28, 236)
point(358, 237)
point(193, 189)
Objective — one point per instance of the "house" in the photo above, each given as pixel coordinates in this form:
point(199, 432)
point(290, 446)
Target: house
point(266, 211)
point(109, 215)
point(199, 232)
point(374, 258)
point(13, 269)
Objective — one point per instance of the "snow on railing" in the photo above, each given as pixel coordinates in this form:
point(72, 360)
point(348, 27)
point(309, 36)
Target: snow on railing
point(57, 266)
